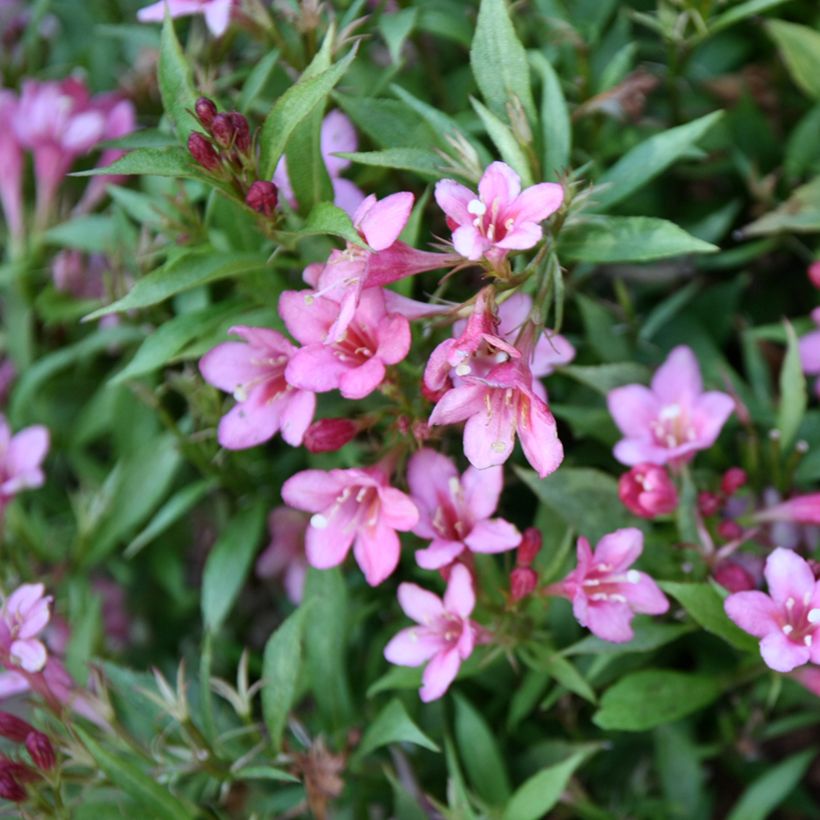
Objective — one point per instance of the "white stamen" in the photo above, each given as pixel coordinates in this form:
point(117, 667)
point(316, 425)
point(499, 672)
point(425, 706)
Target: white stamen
point(318, 521)
point(788, 629)
point(476, 207)
point(670, 412)
point(790, 603)
point(633, 576)
point(814, 616)
point(240, 393)
point(807, 640)
point(463, 369)
point(454, 485)
point(498, 446)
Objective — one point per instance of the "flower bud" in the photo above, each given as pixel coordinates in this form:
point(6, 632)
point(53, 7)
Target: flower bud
point(730, 575)
point(242, 132)
point(529, 547)
point(14, 728)
point(205, 111)
point(802, 509)
point(329, 435)
point(733, 479)
point(709, 503)
point(224, 130)
point(814, 273)
point(41, 751)
point(523, 580)
point(646, 491)
point(17, 771)
point(263, 197)
point(202, 151)
point(10, 789)
point(729, 530)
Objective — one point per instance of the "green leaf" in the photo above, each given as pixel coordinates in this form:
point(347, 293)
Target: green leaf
point(326, 219)
point(800, 47)
point(800, 213)
point(396, 28)
point(480, 754)
point(741, 11)
point(606, 377)
point(281, 667)
point(291, 108)
point(229, 562)
point(568, 676)
point(792, 405)
point(190, 271)
point(153, 796)
point(507, 145)
point(536, 796)
point(499, 61)
point(258, 79)
point(93, 233)
point(648, 159)
point(649, 635)
point(393, 725)
point(803, 147)
point(161, 162)
point(627, 239)
point(680, 770)
point(770, 789)
point(643, 700)
point(705, 605)
point(420, 161)
point(176, 85)
point(264, 773)
point(556, 128)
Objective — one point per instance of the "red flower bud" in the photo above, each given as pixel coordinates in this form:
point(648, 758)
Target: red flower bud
point(41, 751)
point(709, 503)
point(646, 490)
point(733, 479)
point(18, 771)
point(242, 132)
point(529, 547)
point(729, 530)
point(732, 576)
point(262, 197)
point(14, 728)
point(814, 273)
point(523, 580)
point(203, 152)
point(224, 130)
point(329, 435)
point(10, 789)
point(205, 111)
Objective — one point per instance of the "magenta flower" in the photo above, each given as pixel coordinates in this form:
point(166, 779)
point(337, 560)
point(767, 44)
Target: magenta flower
point(356, 363)
point(254, 372)
point(23, 617)
point(21, 459)
point(647, 491)
point(800, 509)
point(787, 619)
point(445, 635)
point(352, 507)
point(338, 135)
point(284, 557)
point(501, 217)
point(671, 420)
point(11, 161)
point(217, 13)
point(498, 405)
point(605, 592)
point(810, 350)
point(455, 511)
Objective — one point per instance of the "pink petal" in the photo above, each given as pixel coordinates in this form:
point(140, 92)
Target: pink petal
point(453, 199)
point(428, 475)
point(645, 596)
point(781, 654)
point(297, 415)
point(493, 535)
point(539, 437)
point(754, 612)
point(328, 546)
point(439, 674)
point(419, 604)
point(307, 316)
point(217, 16)
point(250, 422)
point(710, 412)
point(377, 552)
point(536, 203)
point(489, 436)
point(619, 549)
point(412, 647)
point(394, 339)
point(678, 378)
point(362, 380)
point(316, 368)
point(469, 242)
point(26, 452)
point(338, 135)
point(635, 451)
point(460, 595)
point(499, 184)
point(810, 353)
point(346, 195)
point(28, 654)
point(230, 365)
point(24, 598)
point(398, 510)
point(551, 350)
point(788, 576)
point(610, 621)
point(521, 237)
point(12, 683)
point(385, 220)
point(439, 554)
point(314, 490)
point(458, 404)
point(634, 408)
point(482, 489)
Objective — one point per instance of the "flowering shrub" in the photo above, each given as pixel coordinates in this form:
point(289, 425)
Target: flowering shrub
point(515, 302)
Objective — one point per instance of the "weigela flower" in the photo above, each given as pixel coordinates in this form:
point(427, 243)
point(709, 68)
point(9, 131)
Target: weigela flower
point(285, 554)
point(501, 217)
point(11, 161)
point(355, 364)
point(445, 635)
point(21, 459)
point(605, 592)
point(810, 351)
point(355, 507)
point(647, 490)
point(788, 618)
point(800, 509)
point(23, 617)
point(253, 371)
point(455, 511)
point(671, 420)
point(217, 13)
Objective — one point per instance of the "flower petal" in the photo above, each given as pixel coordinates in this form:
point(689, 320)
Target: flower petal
point(678, 379)
point(493, 535)
point(412, 647)
point(314, 490)
point(439, 674)
point(377, 550)
point(460, 595)
point(619, 549)
point(499, 184)
point(781, 654)
point(453, 199)
point(482, 489)
point(420, 604)
point(788, 576)
point(754, 612)
point(385, 220)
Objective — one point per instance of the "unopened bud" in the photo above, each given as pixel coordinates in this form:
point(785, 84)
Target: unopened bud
point(10, 789)
point(205, 111)
point(729, 530)
point(529, 547)
point(41, 751)
point(17, 771)
point(523, 580)
point(709, 503)
point(14, 728)
point(224, 130)
point(242, 132)
point(814, 273)
point(329, 435)
point(263, 197)
point(733, 479)
point(730, 575)
point(647, 491)
point(202, 151)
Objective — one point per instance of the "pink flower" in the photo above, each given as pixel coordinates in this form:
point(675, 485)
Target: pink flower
point(217, 12)
point(801, 509)
point(356, 363)
point(11, 161)
point(786, 619)
point(605, 592)
point(255, 374)
point(352, 507)
point(646, 490)
point(82, 275)
point(501, 217)
point(455, 511)
point(445, 635)
point(813, 273)
point(810, 351)
point(285, 555)
point(23, 617)
point(21, 459)
point(670, 421)
point(338, 135)
point(498, 405)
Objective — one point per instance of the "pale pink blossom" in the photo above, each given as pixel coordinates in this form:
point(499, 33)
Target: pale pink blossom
point(355, 507)
point(501, 217)
point(445, 635)
point(648, 491)
point(337, 136)
point(454, 511)
point(21, 459)
point(810, 351)
point(253, 371)
point(11, 161)
point(217, 13)
point(356, 363)
point(671, 420)
point(496, 407)
point(604, 590)
point(284, 557)
point(23, 617)
point(788, 618)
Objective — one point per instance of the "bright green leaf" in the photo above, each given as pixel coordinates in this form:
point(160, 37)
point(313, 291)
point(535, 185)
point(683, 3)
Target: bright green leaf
point(162, 162)
point(542, 791)
point(800, 47)
point(792, 405)
point(556, 128)
point(503, 139)
point(176, 85)
point(393, 725)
